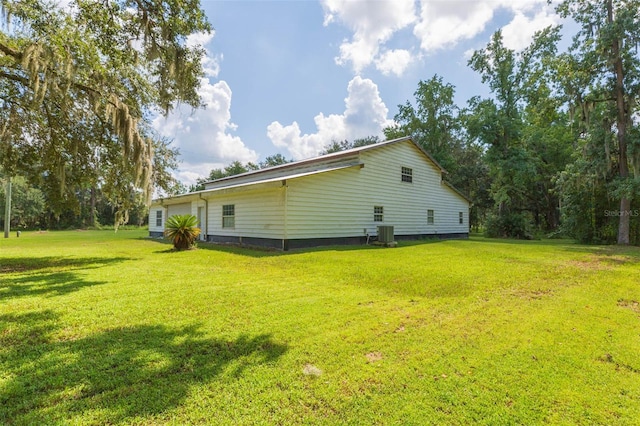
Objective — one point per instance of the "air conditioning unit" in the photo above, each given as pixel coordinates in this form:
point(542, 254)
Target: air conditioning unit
point(385, 234)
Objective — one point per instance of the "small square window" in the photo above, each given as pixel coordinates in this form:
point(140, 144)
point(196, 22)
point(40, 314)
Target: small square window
point(430, 217)
point(229, 216)
point(158, 217)
point(407, 174)
point(378, 214)
point(460, 218)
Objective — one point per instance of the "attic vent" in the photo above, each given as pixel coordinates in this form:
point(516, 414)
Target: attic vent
point(385, 234)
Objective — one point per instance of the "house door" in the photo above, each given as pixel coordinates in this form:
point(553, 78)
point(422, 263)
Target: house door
point(201, 224)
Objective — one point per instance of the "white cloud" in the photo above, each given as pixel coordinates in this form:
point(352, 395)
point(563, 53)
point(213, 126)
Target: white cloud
point(518, 34)
point(204, 136)
point(200, 38)
point(394, 61)
point(440, 24)
point(365, 115)
point(443, 24)
point(468, 54)
point(373, 24)
point(190, 172)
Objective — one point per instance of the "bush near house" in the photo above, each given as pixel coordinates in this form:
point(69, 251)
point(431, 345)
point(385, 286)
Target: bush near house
point(182, 231)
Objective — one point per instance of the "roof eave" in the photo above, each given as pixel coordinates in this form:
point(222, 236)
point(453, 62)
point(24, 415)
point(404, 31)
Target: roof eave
point(318, 159)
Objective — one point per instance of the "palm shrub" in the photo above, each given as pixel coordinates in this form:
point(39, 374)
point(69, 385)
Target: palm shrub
point(181, 229)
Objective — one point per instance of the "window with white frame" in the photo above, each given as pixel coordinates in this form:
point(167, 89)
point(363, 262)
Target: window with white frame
point(378, 213)
point(229, 216)
point(430, 217)
point(159, 218)
point(460, 218)
point(407, 174)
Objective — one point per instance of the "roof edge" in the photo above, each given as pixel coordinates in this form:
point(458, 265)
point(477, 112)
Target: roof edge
point(457, 191)
point(319, 158)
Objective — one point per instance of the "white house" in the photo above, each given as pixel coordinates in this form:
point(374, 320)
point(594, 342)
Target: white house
point(338, 198)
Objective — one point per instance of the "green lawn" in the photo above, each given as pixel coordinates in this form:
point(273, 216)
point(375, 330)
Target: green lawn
point(113, 328)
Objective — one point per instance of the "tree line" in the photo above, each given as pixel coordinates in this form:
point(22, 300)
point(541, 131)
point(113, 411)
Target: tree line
point(554, 149)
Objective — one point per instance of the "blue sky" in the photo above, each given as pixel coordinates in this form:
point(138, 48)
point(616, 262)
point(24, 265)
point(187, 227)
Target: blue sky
point(290, 76)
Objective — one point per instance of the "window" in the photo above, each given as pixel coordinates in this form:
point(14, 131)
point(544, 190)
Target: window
point(159, 218)
point(430, 217)
point(378, 214)
point(461, 218)
point(229, 216)
point(407, 174)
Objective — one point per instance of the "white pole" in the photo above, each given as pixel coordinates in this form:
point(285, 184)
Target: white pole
point(7, 208)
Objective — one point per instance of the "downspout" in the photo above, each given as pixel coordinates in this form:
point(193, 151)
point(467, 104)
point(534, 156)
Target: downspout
point(165, 216)
point(285, 239)
point(206, 217)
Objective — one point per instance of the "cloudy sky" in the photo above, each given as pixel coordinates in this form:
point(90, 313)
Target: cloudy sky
point(291, 76)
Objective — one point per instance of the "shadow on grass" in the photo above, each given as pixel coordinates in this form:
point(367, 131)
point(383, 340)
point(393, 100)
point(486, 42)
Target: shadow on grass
point(607, 253)
point(258, 252)
point(615, 255)
point(43, 277)
point(23, 264)
point(114, 375)
point(521, 242)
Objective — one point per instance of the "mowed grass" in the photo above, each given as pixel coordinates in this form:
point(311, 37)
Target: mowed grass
point(114, 328)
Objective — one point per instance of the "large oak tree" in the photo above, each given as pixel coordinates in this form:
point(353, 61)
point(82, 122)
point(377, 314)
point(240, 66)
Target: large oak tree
point(79, 82)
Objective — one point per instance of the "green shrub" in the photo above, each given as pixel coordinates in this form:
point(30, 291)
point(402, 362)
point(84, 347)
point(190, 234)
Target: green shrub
point(509, 225)
point(182, 231)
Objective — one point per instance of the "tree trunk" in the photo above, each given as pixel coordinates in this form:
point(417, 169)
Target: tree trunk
point(7, 208)
point(621, 123)
point(92, 213)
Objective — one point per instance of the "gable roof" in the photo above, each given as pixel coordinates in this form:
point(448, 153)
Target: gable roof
point(320, 164)
point(266, 180)
point(328, 157)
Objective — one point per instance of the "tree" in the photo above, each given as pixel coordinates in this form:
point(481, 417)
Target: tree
point(28, 203)
point(83, 80)
point(274, 160)
point(236, 168)
point(604, 55)
point(337, 146)
point(550, 142)
point(585, 182)
point(513, 125)
point(433, 122)
point(165, 160)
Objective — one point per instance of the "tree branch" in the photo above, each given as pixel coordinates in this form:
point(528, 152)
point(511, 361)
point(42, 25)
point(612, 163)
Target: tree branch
point(9, 51)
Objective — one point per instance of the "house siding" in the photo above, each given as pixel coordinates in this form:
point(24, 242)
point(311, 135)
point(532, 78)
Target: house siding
point(156, 231)
point(179, 209)
point(258, 214)
point(341, 203)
